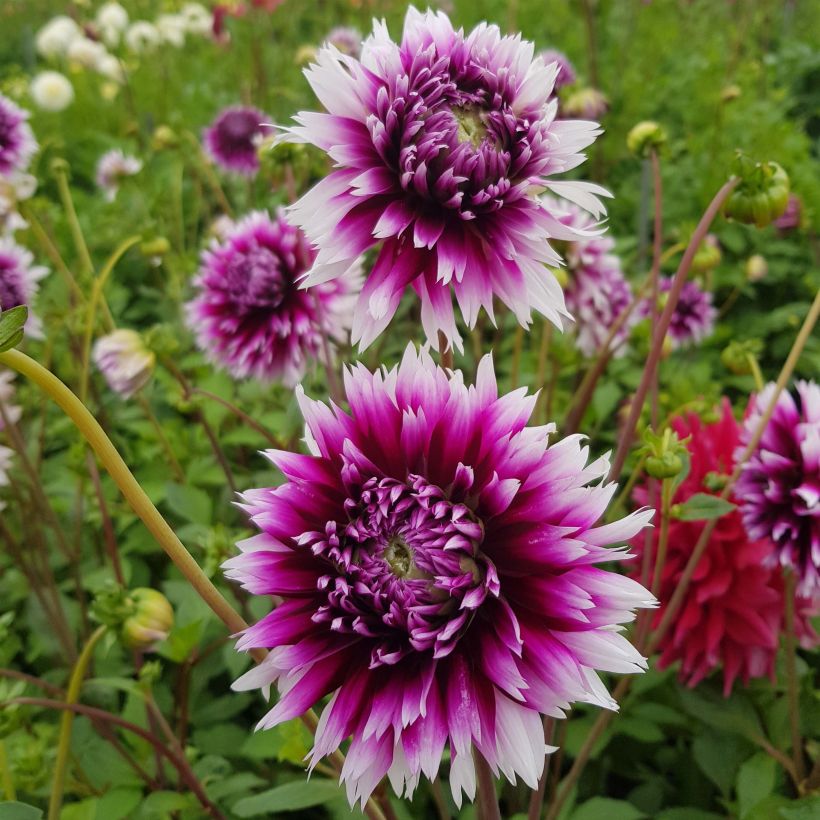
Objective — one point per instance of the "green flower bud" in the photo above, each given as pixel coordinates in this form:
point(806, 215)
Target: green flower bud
point(164, 138)
point(715, 482)
point(667, 465)
point(730, 92)
point(646, 137)
point(761, 195)
point(708, 255)
point(159, 246)
point(739, 357)
point(588, 103)
point(664, 453)
point(150, 621)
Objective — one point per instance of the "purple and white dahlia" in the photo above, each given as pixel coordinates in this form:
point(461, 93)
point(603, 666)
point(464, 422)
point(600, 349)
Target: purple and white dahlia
point(694, 316)
point(597, 292)
point(112, 167)
point(17, 142)
point(566, 73)
point(19, 282)
point(346, 39)
point(435, 561)
point(232, 139)
point(249, 314)
point(441, 144)
point(779, 486)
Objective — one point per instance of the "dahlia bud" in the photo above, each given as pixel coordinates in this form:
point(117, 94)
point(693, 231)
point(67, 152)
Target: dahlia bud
point(645, 137)
point(715, 482)
point(708, 254)
point(740, 358)
point(756, 268)
point(152, 248)
point(588, 103)
point(150, 621)
point(164, 138)
point(124, 360)
point(561, 276)
point(791, 217)
point(761, 195)
point(305, 54)
point(730, 92)
point(664, 453)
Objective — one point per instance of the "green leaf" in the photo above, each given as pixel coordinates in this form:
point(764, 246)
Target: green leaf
point(605, 808)
point(702, 507)
point(806, 809)
point(19, 811)
point(12, 322)
point(735, 714)
point(118, 804)
point(300, 794)
point(719, 757)
point(755, 781)
point(181, 642)
point(639, 728)
point(189, 503)
point(688, 813)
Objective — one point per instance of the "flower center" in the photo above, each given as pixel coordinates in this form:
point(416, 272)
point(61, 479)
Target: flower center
point(406, 570)
point(255, 278)
point(239, 127)
point(470, 125)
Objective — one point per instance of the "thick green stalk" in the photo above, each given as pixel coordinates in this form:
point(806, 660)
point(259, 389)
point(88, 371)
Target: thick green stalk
point(792, 685)
point(66, 722)
point(61, 175)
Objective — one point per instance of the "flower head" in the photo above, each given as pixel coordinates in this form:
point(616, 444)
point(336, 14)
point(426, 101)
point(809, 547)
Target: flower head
point(231, 140)
point(113, 166)
point(733, 610)
point(142, 36)
point(780, 483)
point(19, 278)
point(566, 72)
point(172, 29)
point(441, 143)
point(435, 558)
point(54, 38)
point(251, 316)
point(597, 291)
point(12, 412)
point(345, 39)
point(6, 455)
point(588, 103)
point(694, 316)
point(51, 91)
point(791, 217)
point(112, 20)
point(124, 360)
point(198, 20)
point(17, 143)
point(85, 52)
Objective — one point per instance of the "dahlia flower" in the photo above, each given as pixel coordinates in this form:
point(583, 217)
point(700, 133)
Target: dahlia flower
point(14, 188)
point(435, 561)
point(231, 140)
point(780, 484)
point(172, 29)
point(19, 278)
point(113, 166)
point(6, 455)
point(198, 19)
point(441, 144)
point(733, 610)
point(346, 39)
point(597, 291)
point(791, 217)
point(694, 316)
point(51, 91)
point(85, 52)
point(250, 317)
point(142, 36)
point(17, 143)
point(54, 37)
point(566, 73)
point(12, 412)
point(588, 103)
point(124, 360)
point(112, 20)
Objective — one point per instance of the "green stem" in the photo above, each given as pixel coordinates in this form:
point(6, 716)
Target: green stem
point(5, 770)
point(663, 538)
point(61, 175)
point(487, 798)
point(756, 374)
point(792, 686)
point(518, 343)
point(66, 722)
point(163, 439)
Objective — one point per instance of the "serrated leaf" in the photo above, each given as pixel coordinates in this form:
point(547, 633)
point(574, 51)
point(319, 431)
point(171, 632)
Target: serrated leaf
point(300, 794)
point(703, 507)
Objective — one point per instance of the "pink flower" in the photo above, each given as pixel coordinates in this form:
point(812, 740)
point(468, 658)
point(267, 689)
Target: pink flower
point(779, 485)
point(250, 315)
point(112, 167)
point(435, 559)
point(124, 360)
point(694, 316)
point(232, 139)
point(17, 143)
point(566, 72)
point(19, 281)
point(732, 614)
point(441, 144)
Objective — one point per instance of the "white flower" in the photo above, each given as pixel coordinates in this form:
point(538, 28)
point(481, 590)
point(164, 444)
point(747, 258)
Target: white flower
point(198, 20)
point(112, 20)
point(171, 28)
point(142, 36)
point(85, 52)
point(54, 37)
point(51, 91)
point(14, 188)
point(109, 66)
point(124, 360)
point(112, 167)
point(12, 411)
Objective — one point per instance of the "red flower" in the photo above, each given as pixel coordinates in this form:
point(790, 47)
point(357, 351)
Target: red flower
point(733, 611)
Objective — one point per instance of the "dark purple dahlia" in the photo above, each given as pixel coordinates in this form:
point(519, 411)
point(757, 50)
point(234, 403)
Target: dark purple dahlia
point(249, 314)
point(441, 145)
point(233, 137)
point(694, 316)
point(17, 143)
point(19, 278)
point(779, 486)
point(435, 562)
